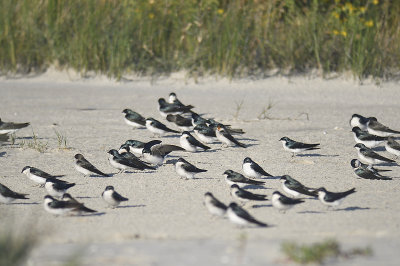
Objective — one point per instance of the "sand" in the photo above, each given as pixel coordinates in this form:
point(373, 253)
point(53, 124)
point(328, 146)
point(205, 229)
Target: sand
point(165, 221)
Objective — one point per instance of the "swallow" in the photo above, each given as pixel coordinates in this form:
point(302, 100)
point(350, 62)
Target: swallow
point(369, 156)
point(85, 167)
point(56, 188)
point(38, 175)
point(124, 151)
point(136, 146)
point(181, 122)
point(214, 206)
point(198, 120)
point(239, 216)
point(205, 133)
point(283, 203)
point(10, 127)
point(376, 128)
point(187, 170)
point(134, 119)
point(296, 147)
point(392, 146)
point(367, 172)
point(158, 128)
point(225, 137)
point(155, 154)
point(232, 177)
point(295, 188)
point(173, 99)
point(355, 163)
point(122, 163)
point(244, 195)
point(60, 207)
point(252, 169)
point(68, 198)
point(175, 109)
point(366, 138)
point(333, 199)
point(4, 137)
point(7, 195)
point(111, 197)
point(359, 121)
point(190, 143)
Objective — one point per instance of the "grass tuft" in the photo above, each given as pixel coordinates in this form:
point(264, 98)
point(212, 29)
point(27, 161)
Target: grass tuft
point(34, 144)
point(15, 249)
point(62, 140)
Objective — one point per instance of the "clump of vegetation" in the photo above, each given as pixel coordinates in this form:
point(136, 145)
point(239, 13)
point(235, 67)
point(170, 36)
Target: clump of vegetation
point(319, 252)
point(234, 38)
point(62, 140)
point(35, 144)
point(15, 249)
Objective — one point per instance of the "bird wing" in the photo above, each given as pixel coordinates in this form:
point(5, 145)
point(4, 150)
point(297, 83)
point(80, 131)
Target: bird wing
point(300, 145)
point(332, 196)
point(245, 215)
point(287, 200)
point(229, 136)
point(258, 169)
point(218, 203)
point(165, 149)
point(135, 117)
point(372, 154)
point(41, 173)
point(11, 125)
point(9, 193)
point(368, 174)
point(197, 143)
point(87, 165)
point(118, 197)
point(61, 185)
point(191, 168)
point(297, 186)
point(248, 195)
point(380, 127)
point(369, 137)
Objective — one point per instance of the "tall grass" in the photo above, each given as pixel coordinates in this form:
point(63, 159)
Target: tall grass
point(233, 38)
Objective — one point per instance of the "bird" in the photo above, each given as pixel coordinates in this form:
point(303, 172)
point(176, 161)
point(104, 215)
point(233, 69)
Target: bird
point(4, 137)
point(122, 163)
point(56, 188)
point(392, 146)
point(283, 203)
point(369, 156)
point(225, 137)
point(376, 128)
point(10, 127)
point(7, 195)
point(252, 169)
point(85, 167)
point(61, 207)
point(296, 147)
point(68, 198)
point(211, 123)
point(158, 128)
point(367, 172)
point(173, 99)
point(175, 109)
point(156, 153)
point(333, 199)
point(359, 121)
point(205, 133)
point(187, 170)
point(136, 146)
point(112, 197)
point(295, 188)
point(366, 138)
point(232, 177)
point(181, 122)
point(244, 195)
point(124, 151)
point(38, 175)
point(213, 205)
point(239, 216)
point(355, 163)
point(134, 119)
point(198, 120)
point(190, 143)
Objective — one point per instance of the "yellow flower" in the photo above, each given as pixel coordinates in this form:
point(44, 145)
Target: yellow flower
point(335, 32)
point(343, 33)
point(336, 15)
point(375, 2)
point(220, 11)
point(151, 16)
point(362, 9)
point(369, 23)
point(349, 7)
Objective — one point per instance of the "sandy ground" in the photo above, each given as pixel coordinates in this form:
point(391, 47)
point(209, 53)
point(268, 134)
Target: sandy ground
point(165, 222)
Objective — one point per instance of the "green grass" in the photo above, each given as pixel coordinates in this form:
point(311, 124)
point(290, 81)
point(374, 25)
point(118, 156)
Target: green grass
point(35, 143)
point(319, 252)
point(232, 38)
point(14, 249)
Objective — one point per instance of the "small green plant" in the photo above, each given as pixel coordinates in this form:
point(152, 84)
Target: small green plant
point(62, 140)
point(34, 144)
point(239, 106)
point(12, 138)
point(319, 252)
point(14, 249)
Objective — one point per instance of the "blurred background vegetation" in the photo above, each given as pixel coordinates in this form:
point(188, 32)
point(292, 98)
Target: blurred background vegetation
point(233, 38)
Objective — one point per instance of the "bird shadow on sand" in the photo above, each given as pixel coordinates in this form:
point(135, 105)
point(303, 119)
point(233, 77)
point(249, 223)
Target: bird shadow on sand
point(86, 197)
point(387, 164)
point(2, 153)
point(92, 214)
point(261, 205)
point(131, 206)
point(353, 208)
point(316, 155)
point(171, 136)
point(24, 203)
point(256, 187)
point(310, 212)
point(270, 177)
point(101, 176)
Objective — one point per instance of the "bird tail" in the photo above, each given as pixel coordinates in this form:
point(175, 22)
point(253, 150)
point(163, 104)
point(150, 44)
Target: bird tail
point(261, 224)
point(348, 192)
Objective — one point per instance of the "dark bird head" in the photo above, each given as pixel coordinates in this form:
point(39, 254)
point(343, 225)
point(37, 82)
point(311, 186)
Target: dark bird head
point(172, 94)
point(78, 156)
point(126, 111)
point(359, 146)
point(181, 160)
point(284, 178)
point(113, 152)
point(233, 205)
point(322, 189)
point(134, 143)
point(277, 193)
point(109, 188)
point(220, 127)
point(234, 186)
point(151, 120)
point(208, 194)
point(125, 146)
point(356, 129)
point(66, 196)
point(358, 116)
point(372, 119)
point(228, 172)
point(171, 118)
point(186, 133)
point(25, 168)
point(162, 102)
point(285, 139)
point(247, 160)
point(48, 197)
point(355, 163)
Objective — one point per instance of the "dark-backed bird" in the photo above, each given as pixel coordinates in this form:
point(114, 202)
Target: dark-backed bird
point(239, 216)
point(37, 175)
point(214, 206)
point(232, 177)
point(67, 197)
point(367, 172)
point(173, 109)
point(295, 188)
point(392, 146)
point(134, 119)
point(359, 121)
point(7, 195)
point(355, 163)
point(283, 203)
point(369, 156)
point(366, 138)
point(376, 128)
point(333, 199)
point(190, 143)
point(10, 127)
point(252, 169)
point(173, 99)
point(158, 128)
point(184, 124)
point(205, 133)
point(225, 137)
point(187, 170)
point(112, 197)
point(55, 188)
point(122, 163)
point(156, 153)
point(243, 195)
point(85, 167)
point(296, 147)
point(61, 207)
point(136, 146)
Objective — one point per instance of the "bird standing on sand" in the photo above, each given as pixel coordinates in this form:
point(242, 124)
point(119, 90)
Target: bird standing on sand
point(296, 147)
point(112, 197)
point(11, 127)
